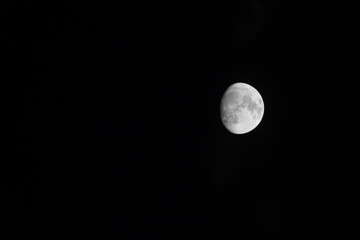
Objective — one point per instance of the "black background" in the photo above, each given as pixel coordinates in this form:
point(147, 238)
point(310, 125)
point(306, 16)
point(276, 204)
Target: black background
point(117, 125)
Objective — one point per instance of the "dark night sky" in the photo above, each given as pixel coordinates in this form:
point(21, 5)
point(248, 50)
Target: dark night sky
point(119, 133)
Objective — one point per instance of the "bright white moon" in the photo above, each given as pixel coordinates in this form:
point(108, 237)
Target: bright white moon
point(242, 108)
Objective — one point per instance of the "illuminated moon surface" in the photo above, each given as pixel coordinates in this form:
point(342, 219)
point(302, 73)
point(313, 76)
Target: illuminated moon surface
point(242, 108)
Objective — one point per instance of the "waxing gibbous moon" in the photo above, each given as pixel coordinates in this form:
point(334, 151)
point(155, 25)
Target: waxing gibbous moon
point(242, 108)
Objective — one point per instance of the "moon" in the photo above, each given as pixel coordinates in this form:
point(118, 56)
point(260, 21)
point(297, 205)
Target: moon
point(242, 108)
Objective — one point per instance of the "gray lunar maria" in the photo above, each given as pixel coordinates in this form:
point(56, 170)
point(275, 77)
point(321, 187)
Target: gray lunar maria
point(242, 108)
